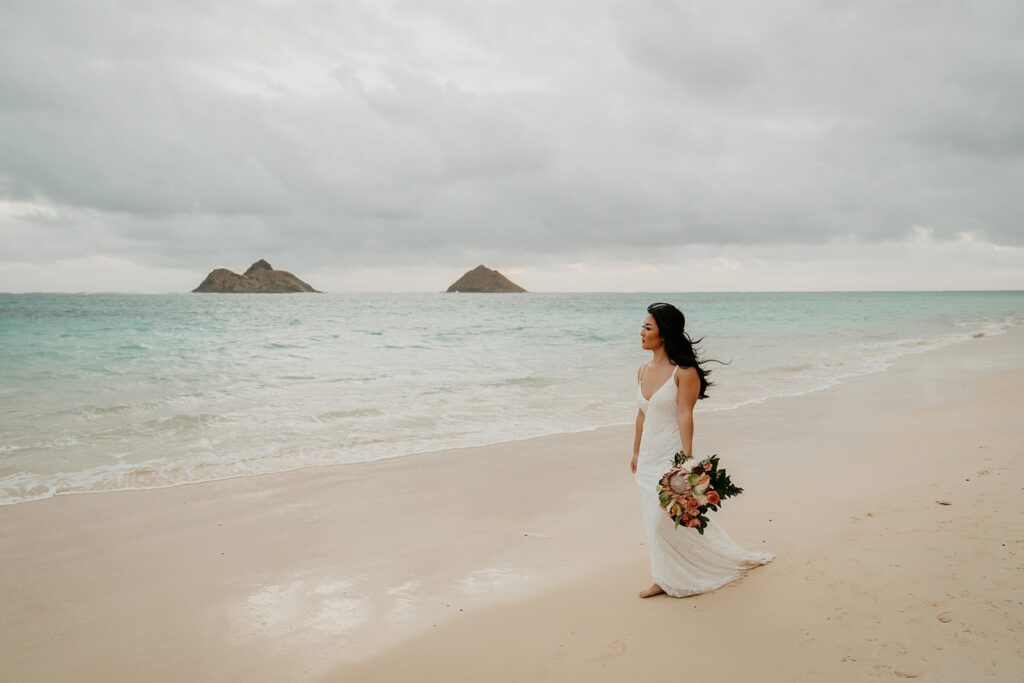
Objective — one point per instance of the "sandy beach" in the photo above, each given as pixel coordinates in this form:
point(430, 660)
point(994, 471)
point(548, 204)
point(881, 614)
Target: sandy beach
point(893, 502)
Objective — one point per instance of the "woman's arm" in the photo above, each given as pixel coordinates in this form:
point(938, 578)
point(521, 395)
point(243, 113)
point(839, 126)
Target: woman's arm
point(636, 439)
point(689, 390)
point(639, 426)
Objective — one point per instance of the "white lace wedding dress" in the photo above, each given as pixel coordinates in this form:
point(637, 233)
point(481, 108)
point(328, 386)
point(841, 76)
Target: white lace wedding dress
point(683, 562)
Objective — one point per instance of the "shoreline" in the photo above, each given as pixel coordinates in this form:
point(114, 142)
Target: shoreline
point(884, 582)
point(373, 570)
point(831, 383)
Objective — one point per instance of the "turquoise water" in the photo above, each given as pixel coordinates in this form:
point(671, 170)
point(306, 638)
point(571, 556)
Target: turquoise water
point(103, 392)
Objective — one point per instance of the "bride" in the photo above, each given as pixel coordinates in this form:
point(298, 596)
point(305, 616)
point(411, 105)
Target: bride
point(683, 562)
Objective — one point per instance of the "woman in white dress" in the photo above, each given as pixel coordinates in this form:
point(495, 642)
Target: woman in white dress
point(683, 562)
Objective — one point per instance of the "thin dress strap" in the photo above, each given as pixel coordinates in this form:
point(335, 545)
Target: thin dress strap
point(640, 379)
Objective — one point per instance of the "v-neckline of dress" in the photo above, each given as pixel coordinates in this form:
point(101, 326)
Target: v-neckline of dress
point(663, 385)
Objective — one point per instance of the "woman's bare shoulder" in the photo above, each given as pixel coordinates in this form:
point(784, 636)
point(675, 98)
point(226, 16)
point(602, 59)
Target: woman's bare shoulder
point(686, 376)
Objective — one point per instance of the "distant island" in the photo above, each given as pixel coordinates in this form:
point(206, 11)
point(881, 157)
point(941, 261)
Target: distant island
point(261, 278)
point(483, 279)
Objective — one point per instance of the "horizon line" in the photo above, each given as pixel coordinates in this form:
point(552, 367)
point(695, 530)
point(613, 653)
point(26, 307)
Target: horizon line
point(651, 291)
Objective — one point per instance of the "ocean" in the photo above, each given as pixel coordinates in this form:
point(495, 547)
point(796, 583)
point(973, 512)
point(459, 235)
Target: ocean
point(104, 392)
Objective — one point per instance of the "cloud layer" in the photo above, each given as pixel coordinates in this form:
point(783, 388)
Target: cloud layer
point(386, 134)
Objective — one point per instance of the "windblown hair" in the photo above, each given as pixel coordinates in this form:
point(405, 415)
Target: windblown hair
point(680, 348)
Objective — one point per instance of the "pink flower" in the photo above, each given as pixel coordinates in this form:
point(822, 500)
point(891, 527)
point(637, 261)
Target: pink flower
point(693, 523)
point(677, 482)
point(714, 498)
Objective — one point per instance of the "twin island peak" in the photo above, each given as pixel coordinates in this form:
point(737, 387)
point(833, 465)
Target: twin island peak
point(261, 278)
point(484, 280)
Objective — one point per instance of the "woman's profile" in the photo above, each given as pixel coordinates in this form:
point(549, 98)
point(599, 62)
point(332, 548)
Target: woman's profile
point(683, 562)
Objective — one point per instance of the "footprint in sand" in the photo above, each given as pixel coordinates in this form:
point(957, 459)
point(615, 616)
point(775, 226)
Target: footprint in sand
point(945, 618)
point(899, 673)
point(615, 649)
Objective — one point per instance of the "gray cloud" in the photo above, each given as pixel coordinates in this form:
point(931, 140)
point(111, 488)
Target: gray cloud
point(355, 132)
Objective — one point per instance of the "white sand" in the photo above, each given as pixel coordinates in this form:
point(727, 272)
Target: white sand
point(521, 562)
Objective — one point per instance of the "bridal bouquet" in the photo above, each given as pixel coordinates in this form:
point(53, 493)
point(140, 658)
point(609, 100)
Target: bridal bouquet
point(688, 491)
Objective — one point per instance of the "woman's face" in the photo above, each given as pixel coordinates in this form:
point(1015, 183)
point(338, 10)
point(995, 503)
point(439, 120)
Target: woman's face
point(650, 338)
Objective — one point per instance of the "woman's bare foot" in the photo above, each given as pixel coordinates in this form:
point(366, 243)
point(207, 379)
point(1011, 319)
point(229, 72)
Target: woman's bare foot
point(655, 589)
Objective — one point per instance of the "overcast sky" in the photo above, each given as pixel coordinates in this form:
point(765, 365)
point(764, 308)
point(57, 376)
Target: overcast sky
point(589, 145)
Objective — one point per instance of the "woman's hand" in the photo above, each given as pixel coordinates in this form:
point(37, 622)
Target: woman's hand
point(632, 465)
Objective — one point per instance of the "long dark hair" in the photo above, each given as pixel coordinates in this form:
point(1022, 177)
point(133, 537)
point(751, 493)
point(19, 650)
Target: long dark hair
point(680, 348)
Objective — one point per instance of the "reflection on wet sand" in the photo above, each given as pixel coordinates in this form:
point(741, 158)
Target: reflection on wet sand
point(337, 612)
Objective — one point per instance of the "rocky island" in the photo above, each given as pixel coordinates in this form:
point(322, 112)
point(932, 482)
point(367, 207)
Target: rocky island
point(483, 279)
point(261, 278)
